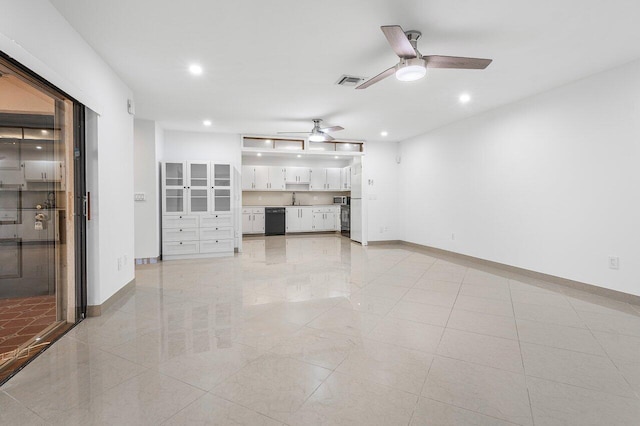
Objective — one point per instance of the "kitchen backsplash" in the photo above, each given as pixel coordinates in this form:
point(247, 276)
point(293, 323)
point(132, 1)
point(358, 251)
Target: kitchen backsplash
point(256, 198)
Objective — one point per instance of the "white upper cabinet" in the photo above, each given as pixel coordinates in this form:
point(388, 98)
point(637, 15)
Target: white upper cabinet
point(318, 179)
point(334, 176)
point(262, 178)
point(276, 178)
point(345, 178)
point(248, 178)
point(297, 175)
point(43, 171)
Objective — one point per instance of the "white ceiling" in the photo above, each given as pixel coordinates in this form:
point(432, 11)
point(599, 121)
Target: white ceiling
point(272, 65)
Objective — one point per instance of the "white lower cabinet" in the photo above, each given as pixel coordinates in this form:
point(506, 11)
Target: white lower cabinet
point(175, 248)
point(253, 220)
point(216, 246)
point(194, 235)
point(324, 219)
point(299, 219)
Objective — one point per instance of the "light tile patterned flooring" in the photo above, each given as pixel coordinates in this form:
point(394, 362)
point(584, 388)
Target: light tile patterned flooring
point(318, 330)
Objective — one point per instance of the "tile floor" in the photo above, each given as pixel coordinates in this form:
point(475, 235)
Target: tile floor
point(318, 330)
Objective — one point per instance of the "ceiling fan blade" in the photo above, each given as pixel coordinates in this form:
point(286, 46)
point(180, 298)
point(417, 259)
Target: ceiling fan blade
point(384, 74)
point(331, 129)
point(398, 40)
point(436, 61)
point(328, 138)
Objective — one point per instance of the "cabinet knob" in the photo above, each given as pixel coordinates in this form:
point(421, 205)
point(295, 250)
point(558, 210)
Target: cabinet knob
point(181, 230)
point(181, 243)
point(180, 217)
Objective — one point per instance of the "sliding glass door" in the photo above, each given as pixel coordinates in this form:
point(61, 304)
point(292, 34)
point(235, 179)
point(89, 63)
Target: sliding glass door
point(40, 184)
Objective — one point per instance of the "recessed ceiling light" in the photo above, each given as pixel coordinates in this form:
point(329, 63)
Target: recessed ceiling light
point(44, 132)
point(195, 69)
point(299, 155)
point(464, 98)
point(268, 141)
point(38, 147)
point(335, 156)
point(207, 123)
point(259, 154)
point(383, 133)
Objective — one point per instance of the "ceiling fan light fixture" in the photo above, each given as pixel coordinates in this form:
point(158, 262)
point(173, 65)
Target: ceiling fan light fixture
point(411, 69)
point(317, 137)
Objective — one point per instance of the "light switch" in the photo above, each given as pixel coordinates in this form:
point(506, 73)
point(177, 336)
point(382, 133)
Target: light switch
point(139, 196)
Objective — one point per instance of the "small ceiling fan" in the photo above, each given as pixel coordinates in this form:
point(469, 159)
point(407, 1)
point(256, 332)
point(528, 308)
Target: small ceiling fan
point(318, 134)
point(413, 65)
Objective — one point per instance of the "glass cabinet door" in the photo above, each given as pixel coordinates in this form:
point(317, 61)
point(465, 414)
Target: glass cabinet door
point(174, 174)
point(174, 200)
point(221, 175)
point(198, 175)
point(198, 200)
point(221, 200)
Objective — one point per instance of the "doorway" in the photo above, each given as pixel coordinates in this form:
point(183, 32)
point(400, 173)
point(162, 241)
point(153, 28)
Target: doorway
point(42, 272)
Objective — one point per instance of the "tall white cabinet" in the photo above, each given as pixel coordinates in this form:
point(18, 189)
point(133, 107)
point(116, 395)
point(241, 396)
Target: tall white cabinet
point(197, 216)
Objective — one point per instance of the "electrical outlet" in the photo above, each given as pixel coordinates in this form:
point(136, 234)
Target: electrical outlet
point(119, 264)
point(315, 198)
point(124, 260)
point(259, 197)
point(614, 262)
point(453, 236)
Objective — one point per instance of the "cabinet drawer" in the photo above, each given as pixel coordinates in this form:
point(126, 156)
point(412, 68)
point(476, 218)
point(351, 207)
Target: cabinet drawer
point(179, 221)
point(216, 221)
point(257, 210)
point(247, 210)
point(216, 233)
point(180, 234)
point(216, 246)
point(180, 247)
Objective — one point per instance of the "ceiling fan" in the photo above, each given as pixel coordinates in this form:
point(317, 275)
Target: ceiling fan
point(413, 65)
point(318, 134)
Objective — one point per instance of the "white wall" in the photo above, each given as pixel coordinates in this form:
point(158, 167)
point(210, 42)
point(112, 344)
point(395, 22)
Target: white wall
point(145, 180)
point(381, 173)
point(36, 35)
point(548, 184)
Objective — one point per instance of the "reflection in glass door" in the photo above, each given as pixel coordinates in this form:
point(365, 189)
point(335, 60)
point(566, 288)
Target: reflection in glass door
point(37, 247)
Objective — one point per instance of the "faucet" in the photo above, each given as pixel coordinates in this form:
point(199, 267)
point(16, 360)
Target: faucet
point(293, 199)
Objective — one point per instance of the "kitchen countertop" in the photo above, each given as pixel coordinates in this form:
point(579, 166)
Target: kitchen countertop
point(300, 205)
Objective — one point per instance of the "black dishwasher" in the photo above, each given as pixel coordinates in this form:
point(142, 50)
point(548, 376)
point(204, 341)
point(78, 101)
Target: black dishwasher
point(274, 220)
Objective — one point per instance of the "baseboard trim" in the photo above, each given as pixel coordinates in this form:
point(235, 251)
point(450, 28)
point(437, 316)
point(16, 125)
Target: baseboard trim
point(383, 242)
point(147, 260)
point(97, 310)
point(576, 285)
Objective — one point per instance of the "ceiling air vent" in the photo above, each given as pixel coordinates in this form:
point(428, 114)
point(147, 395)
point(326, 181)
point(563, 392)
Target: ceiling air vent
point(349, 80)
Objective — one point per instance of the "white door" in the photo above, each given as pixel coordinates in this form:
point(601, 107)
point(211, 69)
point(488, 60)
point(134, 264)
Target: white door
point(292, 219)
point(248, 177)
point(333, 178)
point(258, 223)
point(276, 178)
point(247, 223)
point(318, 179)
point(306, 220)
point(221, 175)
point(262, 178)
